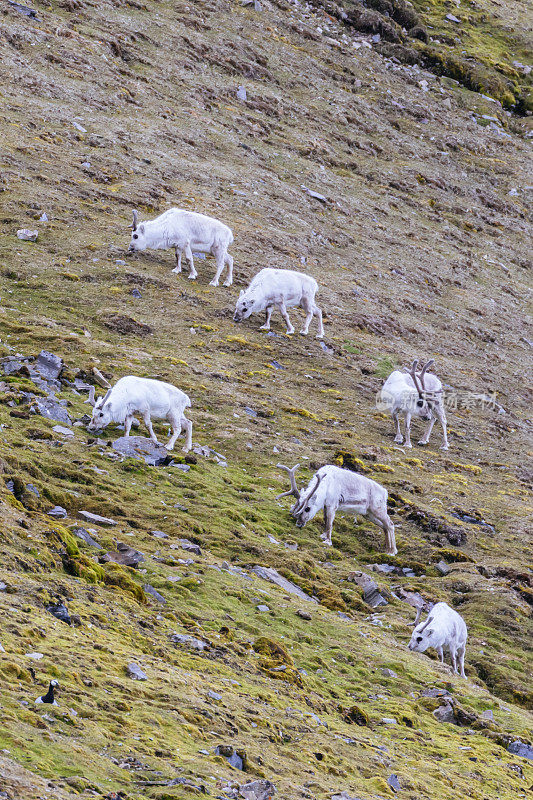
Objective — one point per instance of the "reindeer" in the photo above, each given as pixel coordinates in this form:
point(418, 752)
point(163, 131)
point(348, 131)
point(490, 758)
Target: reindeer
point(333, 488)
point(444, 629)
point(413, 393)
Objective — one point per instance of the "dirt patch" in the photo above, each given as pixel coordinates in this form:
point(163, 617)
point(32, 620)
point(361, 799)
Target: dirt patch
point(126, 325)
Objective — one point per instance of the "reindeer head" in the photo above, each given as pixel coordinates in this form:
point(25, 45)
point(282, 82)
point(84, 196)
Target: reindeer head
point(245, 306)
point(138, 237)
point(101, 416)
point(423, 406)
point(424, 636)
point(307, 502)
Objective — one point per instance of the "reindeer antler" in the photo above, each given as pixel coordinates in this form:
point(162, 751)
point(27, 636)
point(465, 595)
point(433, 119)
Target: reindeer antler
point(133, 225)
point(90, 399)
point(294, 489)
point(302, 502)
point(423, 372)
point(412, 373)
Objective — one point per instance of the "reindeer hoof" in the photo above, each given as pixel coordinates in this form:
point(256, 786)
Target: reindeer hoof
point(304, 333)
point(443, 447)
point(213, 283)
point(227, 283)
point(408, 445)
point(192, 277)
point(289, 332)
point(319, 336)
point(398, 439)
point(176, 269)
point(264, 328)
point(422, 442)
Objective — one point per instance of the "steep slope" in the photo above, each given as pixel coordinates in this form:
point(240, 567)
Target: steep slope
point(420, 247)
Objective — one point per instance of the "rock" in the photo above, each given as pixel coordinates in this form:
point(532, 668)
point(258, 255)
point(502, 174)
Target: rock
point(140, 447)
point(303, 614)
point(2, 649)
point(48, 365)
point(124, 555)
point(394, 783)
point(344, 796)
point(26, 235)
point(250, 411)
point(34, 656)
point(444, 713)
point(389, 721)
point(434, 692)
point(272, 575)
point(214, 695)
point(43, 217)
point(60, 611)
point(136, 293)
point(356, 715)
point(85, 536)
point(521, 749)
point(63, 431)
point(182, 467)
point(52, 409)
point(372, 596)
point(190, 547)
point(136, 673)
point(3, 586)
point(57, 512)
point(442, 567)
point(315, 195)
point(386, 569)
point(189, 641)
point(241, 94)
point(257, 790)
point(389, 673)
point(451, 18)
point(159, 534)
point(234, 758)
point(78, 127)
point(263, 608)
point(488, 715)
point(96, 519)
point(155, 594)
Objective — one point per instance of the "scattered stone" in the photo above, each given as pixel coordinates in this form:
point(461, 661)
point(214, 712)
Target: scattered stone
point(62, 431)
point(444, 713)
point(3, 586)
point(263, 608)
point(344, 796)
point(241, 94)
point(60, 611)
point(52, 409)
point(182, 467)
point(57, 512)
point(48, 365)
point(234, 758)
point(214, 695)
point(159, 534)
point(2, 649)
point(452, 18)
point(250, 411)
point(257, 790)
point(96, 519)
point(488, 714)
point(521, 749)
point(155, 594)
point(389, 673)
point(394, 783)
point(136, 293)
point(136, 673)
point(434, 692)
point(124, 555)
point(189, 641)
point(34, 656)
point(315, 195)
point(303, 614)
point(389, 721)
point(356, 715)
point(189, 546)
point(78, 127)
point(43, 217)
point(85, 536)
point(372, 596)
point(26, 235)
point(140, 447)
point(272, 575)
point(443, 568)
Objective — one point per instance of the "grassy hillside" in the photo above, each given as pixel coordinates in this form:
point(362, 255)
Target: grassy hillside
point(420, 249)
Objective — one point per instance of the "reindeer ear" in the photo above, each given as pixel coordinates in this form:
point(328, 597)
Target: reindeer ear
point(241, 293)
point(141, 228)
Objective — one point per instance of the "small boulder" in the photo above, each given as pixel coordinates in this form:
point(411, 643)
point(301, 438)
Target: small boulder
point(124, 555)
point(26, 235)
point(57, 512)
point(154, 593)
point(304, 614)
point(60, 611)
point(136, 673)
point(394, 783)
point(96, 519)
point(257, 790)
point(140, 447)
point(48, 365)
point(521, 749)
point(189, 546)
point(85, 536)
point(444, 713)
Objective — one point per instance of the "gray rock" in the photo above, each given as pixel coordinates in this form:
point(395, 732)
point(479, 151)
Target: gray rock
point(250, 411)
point(11, 365)
point(386, 569)
point(442, 567)
point(3, 586)
point(389, 673)
point(24, 233)
point(452, 18)
point(272, 575)
point(372, 596)
point(521, 749)
point(139, 447)
point(96, 519)
point(263, 608)
point(31, 488)
point(57, 512)
point(136, 293)
point(487, 715)
point(85, 536)
point(214, 695)
point(344, 796)
point(230, 755)
point(182, 467)
point(444, 713)
point(189, 641)
point(389, 721)
point(63, 431)
point(124, 555)
point(48, 365)
point(190, 547)
point(2, 649)
point(257, 790)
point(241, 93)
point(394, 783)
point(155, 594)
point(304, 614)
point(136, 673)
point(159, 534)
point(52, 409)
point(315, 195)
point(434, 692)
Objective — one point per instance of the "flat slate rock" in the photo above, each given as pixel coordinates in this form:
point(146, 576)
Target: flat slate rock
point(189, 641)
point(52, 409)
point(136, 673)
point(124, 555)
point(521, 749)
point(257, 790)
point(191, 547)
point(57, 512)
point(155, 594)
point(140, 447)
point(272, 575)
point(96, 519)
point(85, 536)
point(48, 365)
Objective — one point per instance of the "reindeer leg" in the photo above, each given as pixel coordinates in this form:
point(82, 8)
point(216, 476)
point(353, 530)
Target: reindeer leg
point(219, 256)
point(396, 419)
point(308, 308)
point(441, 654)
point(188, 252)
point(407, 430)
point(177, 268)
point(442, 419)
point(266, 326)
point(127, 424)
point(382, 519)
point(453, 655)
point(229, 261)
point(329, 516)
point(427, 434)
point(187, 425)
point(283, 311)
point(318, 314)
point(461, 653)
point(148, 423)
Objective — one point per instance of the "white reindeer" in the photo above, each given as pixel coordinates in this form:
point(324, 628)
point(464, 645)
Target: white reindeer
point(443, 629)
point(409, 393)
point(150, 398)
point(186, 231)
point(333, 488)
point(280, 288)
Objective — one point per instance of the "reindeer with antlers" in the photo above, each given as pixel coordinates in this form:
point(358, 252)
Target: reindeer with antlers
point(149, 398)
point(332, 488)
point(414, 393)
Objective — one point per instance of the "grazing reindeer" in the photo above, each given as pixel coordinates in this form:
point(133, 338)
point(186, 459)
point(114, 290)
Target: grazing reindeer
point(150, 398)
point(333, 488)
point(443, 629)
point(185, 231)
point(414, 394)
